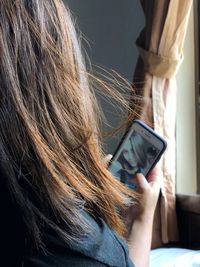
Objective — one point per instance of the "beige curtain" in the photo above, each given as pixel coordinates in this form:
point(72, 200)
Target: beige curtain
point(160, 46)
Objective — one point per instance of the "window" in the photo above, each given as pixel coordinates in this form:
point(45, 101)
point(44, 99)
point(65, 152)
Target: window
point(186, 116)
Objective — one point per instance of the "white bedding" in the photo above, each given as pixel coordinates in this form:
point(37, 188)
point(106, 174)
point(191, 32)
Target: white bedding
point(174, 257)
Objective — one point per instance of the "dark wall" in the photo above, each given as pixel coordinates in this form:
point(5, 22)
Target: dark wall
point(111, 28)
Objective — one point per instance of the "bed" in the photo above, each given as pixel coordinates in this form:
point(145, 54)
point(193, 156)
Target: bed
point(186, 253)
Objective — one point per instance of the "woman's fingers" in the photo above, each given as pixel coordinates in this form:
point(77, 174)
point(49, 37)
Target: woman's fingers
point(155, 181)
point(156, 172)
point(141, 181)
point(107, 159)
point(144, 183)
point(149, 193)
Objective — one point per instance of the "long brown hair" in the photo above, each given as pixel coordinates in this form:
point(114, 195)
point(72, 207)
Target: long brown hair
point(49, 134)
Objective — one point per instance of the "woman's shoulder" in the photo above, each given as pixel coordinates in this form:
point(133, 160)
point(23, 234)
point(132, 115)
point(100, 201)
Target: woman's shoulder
point(101, 247)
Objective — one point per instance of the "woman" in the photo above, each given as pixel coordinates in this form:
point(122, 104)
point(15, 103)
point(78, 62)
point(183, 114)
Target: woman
point(53, 174)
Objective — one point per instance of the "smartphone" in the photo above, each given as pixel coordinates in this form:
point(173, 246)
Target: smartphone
point(138, 152)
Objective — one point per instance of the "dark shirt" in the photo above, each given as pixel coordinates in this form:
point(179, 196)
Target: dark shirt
point(11, 229)
point(102, 247)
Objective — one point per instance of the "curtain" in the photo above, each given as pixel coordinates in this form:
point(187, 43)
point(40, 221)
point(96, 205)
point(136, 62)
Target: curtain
point(160, 47)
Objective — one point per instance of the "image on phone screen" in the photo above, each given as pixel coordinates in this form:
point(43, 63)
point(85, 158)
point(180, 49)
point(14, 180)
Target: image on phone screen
point(136, 155)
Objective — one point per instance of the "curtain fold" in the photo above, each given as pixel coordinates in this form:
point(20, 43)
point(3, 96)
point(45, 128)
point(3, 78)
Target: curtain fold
point(160, 46)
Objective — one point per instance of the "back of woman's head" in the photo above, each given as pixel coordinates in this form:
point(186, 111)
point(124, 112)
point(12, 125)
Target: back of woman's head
point(49, 140)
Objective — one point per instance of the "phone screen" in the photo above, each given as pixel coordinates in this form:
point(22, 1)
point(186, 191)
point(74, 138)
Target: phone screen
point(139, 151)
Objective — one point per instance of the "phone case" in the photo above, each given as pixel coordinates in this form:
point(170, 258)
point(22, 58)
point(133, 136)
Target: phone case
point(149, 130)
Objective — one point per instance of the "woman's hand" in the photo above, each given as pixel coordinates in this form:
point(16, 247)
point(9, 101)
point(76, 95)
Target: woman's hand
point(107, 159)
point(149, 193)
point(140, 234)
